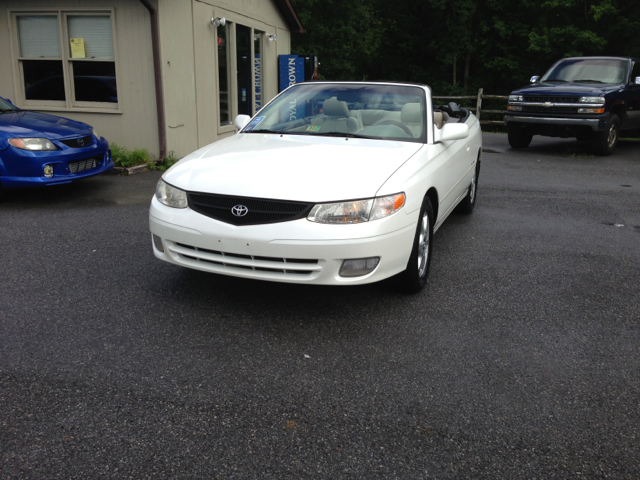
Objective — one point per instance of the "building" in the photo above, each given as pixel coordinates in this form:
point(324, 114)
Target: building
point(165, 75)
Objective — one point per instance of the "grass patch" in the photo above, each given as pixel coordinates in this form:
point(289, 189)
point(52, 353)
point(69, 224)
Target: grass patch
point(125, 158)
point(169, 160)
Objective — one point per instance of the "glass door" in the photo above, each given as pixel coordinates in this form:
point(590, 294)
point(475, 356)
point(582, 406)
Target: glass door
point(244, 62)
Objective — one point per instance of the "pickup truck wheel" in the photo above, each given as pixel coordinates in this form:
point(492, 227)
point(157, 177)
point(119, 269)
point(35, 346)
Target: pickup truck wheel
point(468, 202)
point(414, 278)
point(605, 142)
point(519, 137)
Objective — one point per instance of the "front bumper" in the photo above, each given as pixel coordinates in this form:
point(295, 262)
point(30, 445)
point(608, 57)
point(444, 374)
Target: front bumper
point(597, 124)
point(299, 251)
point(22, 169)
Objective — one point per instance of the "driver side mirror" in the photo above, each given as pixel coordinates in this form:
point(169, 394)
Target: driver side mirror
point(452, 131)
point(534, 79)
point(637, 81)
point(241, 121)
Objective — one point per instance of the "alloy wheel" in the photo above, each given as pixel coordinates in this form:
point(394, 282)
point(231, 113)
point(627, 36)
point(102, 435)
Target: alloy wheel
point(423, 245)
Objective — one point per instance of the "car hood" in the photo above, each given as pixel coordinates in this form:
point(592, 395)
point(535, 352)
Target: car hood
point(563, 89)
point(291, 167)
point(22, 123)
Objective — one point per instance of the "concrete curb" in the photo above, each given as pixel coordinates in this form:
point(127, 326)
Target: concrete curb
point(130, 170)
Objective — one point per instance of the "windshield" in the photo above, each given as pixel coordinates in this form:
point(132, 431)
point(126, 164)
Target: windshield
point(4, 105)
point(587, 70)
point(387, 112)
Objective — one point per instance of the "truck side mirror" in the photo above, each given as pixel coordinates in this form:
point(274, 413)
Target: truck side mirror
point(637, 80)
point(534, 79)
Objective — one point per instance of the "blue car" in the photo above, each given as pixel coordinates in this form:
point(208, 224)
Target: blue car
point(38, 149)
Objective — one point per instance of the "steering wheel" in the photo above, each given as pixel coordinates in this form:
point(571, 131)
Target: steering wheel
point(396, 123)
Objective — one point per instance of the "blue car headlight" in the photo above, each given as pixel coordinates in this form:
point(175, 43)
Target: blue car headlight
point(34, 144)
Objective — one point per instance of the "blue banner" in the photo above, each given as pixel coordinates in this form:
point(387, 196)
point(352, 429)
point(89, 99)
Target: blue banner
point(291, 70)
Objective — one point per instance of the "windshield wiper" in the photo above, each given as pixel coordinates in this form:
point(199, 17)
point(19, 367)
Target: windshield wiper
point(348, 135)
point(585, 80)
point(555, 80)
point(261, 130)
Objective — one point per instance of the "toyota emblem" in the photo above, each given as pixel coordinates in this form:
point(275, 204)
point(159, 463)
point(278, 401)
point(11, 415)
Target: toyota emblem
point(81, 142)
point(239, 210)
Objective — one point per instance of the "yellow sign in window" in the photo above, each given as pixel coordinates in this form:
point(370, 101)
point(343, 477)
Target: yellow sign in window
point(77, 48)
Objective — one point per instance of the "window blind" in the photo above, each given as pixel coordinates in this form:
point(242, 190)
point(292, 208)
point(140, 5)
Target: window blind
point(39, 36)
point(96, 32)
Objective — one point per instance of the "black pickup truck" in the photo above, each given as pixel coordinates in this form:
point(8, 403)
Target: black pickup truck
point(590, 98)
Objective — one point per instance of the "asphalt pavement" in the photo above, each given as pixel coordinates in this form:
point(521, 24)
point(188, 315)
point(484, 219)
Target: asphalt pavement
point(520, 359)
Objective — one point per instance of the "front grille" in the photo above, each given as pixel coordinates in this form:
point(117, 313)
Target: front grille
point(259, 211)
point(82, 165)
point(541, 99)
point(539, 109)
point(221, 261)
point(78, 142)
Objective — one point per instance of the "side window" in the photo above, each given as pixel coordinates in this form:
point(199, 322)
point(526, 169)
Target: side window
point(635, 72)
point(66, 59)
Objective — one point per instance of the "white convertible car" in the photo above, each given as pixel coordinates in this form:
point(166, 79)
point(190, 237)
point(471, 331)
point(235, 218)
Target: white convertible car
point(331, 183)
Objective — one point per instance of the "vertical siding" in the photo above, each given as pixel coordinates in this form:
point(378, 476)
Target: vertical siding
point(206, 71)
point(137, 125)
point(178, 75)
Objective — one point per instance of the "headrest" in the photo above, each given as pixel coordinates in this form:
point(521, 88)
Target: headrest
point(335, 108)
point(437, 119)
point(411, 113)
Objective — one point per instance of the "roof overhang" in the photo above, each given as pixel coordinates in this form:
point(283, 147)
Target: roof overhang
point(290, 15)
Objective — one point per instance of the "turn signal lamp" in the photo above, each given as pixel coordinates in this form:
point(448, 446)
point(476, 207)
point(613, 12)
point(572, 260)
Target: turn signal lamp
point(591, 110)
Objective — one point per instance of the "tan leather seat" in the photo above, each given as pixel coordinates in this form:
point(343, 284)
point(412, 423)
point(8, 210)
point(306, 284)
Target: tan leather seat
point(335, 117)
point(411, 115)
point(438, 119)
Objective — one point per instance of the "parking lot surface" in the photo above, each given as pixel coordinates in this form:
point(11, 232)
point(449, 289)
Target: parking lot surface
point(519, 360)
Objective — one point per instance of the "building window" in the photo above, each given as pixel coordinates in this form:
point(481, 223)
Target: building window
point(66, 59)
point(224, 74)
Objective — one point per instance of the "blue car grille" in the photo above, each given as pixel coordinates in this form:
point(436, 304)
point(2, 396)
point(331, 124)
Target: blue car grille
point(82, 165)
point(78, 142)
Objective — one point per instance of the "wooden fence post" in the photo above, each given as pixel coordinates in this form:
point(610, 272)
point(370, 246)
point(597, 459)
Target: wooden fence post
point(479, 103)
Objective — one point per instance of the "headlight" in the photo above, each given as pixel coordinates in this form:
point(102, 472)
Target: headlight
point(32, 144)
point(357, 211)
point(515, 98)
point(170, 196)
point(599, 100)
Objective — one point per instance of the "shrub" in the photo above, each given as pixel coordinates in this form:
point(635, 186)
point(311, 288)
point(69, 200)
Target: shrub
point(124, 158)
point(169, 160)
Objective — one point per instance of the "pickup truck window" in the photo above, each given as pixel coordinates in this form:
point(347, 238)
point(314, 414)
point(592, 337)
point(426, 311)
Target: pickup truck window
point(603, 71)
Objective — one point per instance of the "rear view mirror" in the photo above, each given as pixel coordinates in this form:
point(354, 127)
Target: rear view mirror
point(241, 121)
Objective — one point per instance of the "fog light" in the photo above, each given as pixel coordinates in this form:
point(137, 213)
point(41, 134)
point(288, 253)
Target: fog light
point(356, 267)
point(157, 242)
point(48, 171)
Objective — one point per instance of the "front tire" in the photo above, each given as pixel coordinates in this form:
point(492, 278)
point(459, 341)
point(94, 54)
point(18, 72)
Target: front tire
point(605, 142)
point(414, 278)
point(519, 137)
